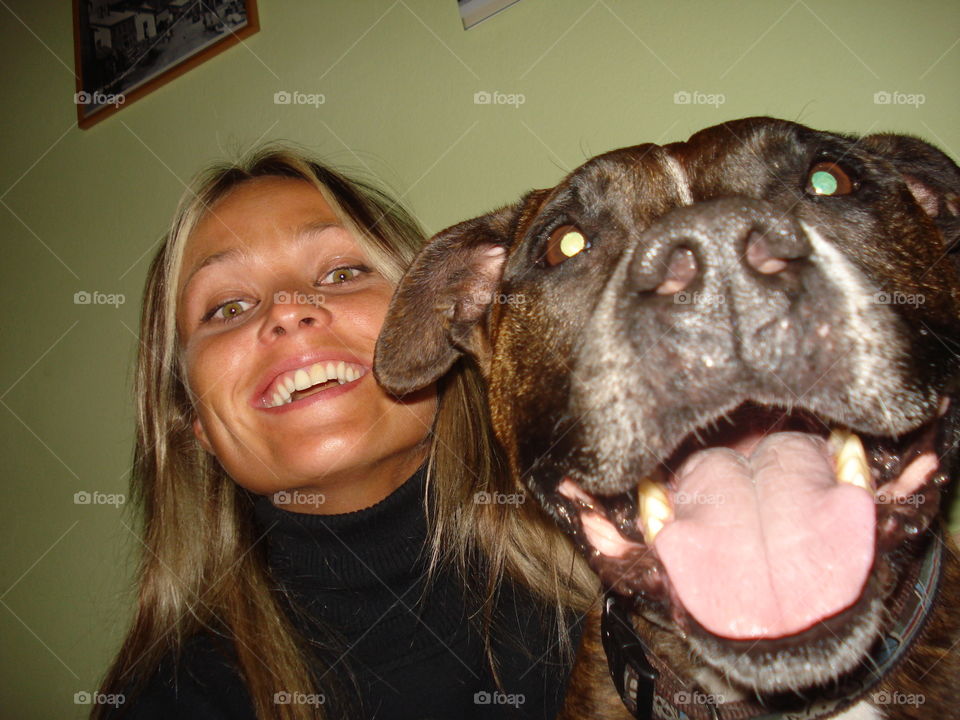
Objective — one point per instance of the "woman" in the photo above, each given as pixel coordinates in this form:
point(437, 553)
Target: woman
point(312, 548)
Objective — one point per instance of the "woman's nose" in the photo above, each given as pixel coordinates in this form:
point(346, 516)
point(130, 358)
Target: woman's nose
point(293, 309)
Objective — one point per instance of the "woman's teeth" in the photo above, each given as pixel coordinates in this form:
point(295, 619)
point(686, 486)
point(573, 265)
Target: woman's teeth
point(289, 386)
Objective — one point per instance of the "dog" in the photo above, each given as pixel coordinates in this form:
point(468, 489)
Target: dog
point(727, 368)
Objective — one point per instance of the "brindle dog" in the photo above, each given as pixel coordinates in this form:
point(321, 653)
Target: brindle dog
point(728, 369)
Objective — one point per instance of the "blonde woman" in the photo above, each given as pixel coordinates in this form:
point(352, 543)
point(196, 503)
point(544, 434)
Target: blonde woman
point(312, 547)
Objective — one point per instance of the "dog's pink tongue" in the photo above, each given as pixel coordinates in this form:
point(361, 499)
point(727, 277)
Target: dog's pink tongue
point(767, 546)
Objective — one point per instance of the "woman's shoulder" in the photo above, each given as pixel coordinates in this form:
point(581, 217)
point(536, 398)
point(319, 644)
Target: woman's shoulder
point(203, 682)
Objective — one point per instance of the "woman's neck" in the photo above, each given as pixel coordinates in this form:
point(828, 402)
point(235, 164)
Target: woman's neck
point(357, 489)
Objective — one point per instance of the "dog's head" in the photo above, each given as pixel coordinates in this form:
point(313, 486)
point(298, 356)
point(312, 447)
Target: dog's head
point(726, 367)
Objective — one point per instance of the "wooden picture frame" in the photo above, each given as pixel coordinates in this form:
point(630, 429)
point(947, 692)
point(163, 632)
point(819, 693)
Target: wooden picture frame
point(125, 49)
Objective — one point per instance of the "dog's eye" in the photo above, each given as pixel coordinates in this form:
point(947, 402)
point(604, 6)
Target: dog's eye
point(828, 178)
point(563, 243)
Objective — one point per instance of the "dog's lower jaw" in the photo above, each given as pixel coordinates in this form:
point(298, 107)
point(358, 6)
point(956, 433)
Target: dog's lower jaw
point(796, 670)
point(911, 675)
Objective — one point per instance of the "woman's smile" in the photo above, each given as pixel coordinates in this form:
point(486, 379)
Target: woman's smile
point(309, 377)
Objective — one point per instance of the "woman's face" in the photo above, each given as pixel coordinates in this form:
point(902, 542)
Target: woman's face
point(274, 293)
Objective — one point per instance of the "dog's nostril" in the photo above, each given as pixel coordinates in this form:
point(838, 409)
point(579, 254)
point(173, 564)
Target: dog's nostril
point(681, 270)
point(760, 256)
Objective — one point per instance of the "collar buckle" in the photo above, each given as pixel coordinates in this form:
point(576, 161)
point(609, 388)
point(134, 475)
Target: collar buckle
point(633, 675)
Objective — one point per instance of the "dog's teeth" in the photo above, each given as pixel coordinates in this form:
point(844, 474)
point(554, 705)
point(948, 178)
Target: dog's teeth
point(850, 459)
point(652, 528)
point(654, 508)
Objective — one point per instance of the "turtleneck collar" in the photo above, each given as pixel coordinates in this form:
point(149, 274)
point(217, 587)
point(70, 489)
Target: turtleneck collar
point(349, 551)
point(355, 571)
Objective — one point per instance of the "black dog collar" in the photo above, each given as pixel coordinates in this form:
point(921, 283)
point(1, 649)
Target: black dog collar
point(651, 692)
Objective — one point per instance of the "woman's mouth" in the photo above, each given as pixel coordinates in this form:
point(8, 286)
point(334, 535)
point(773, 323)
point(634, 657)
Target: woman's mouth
point(302, 382)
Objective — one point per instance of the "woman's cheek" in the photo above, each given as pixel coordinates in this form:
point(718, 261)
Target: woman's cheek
point(206, 360)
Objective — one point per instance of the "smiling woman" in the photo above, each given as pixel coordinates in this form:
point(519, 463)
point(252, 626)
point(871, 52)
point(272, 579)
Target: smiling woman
point(315, 546)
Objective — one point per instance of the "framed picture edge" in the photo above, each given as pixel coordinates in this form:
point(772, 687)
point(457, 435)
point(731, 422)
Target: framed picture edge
point(175, 71)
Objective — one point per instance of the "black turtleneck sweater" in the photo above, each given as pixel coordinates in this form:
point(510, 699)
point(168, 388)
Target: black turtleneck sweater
point(402, 649)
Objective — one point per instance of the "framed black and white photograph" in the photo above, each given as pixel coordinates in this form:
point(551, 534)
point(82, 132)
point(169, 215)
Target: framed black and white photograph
point(125, 49)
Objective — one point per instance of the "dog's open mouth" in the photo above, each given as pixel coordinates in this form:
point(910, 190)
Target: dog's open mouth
point(764, 525)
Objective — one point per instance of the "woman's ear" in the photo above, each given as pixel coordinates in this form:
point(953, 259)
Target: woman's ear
point(201, 436)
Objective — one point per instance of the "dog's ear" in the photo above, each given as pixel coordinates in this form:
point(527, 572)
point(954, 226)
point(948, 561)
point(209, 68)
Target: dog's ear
point(438, 311)
point(933, 179)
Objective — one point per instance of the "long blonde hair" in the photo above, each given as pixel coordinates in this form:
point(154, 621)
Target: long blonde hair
point(201, 568)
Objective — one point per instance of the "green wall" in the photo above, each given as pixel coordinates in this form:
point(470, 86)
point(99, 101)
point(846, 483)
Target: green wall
point(84, 210)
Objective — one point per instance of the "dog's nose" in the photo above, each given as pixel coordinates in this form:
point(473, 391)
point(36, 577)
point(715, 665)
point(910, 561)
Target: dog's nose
point(705, 247)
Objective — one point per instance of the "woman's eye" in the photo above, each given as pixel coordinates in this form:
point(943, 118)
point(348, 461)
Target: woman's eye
point(229, 310)
point(341, 275)
point(563, 243)
point(828, 178)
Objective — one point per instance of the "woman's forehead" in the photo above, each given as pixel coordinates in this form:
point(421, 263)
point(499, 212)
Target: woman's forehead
point(258, 207)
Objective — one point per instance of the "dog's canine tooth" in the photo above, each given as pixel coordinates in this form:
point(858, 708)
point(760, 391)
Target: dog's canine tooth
point(652, 528)
point(655, 508)
point(850, 459)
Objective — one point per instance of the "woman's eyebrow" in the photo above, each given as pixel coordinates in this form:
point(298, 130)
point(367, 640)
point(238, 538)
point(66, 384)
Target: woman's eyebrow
point(314, 228)
point(222, 256)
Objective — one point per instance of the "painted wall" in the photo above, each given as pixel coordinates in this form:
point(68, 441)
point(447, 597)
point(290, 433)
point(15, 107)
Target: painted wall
point(84, 210)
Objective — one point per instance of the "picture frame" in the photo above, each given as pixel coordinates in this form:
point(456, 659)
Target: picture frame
point(126, 49)
point(474, 12)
